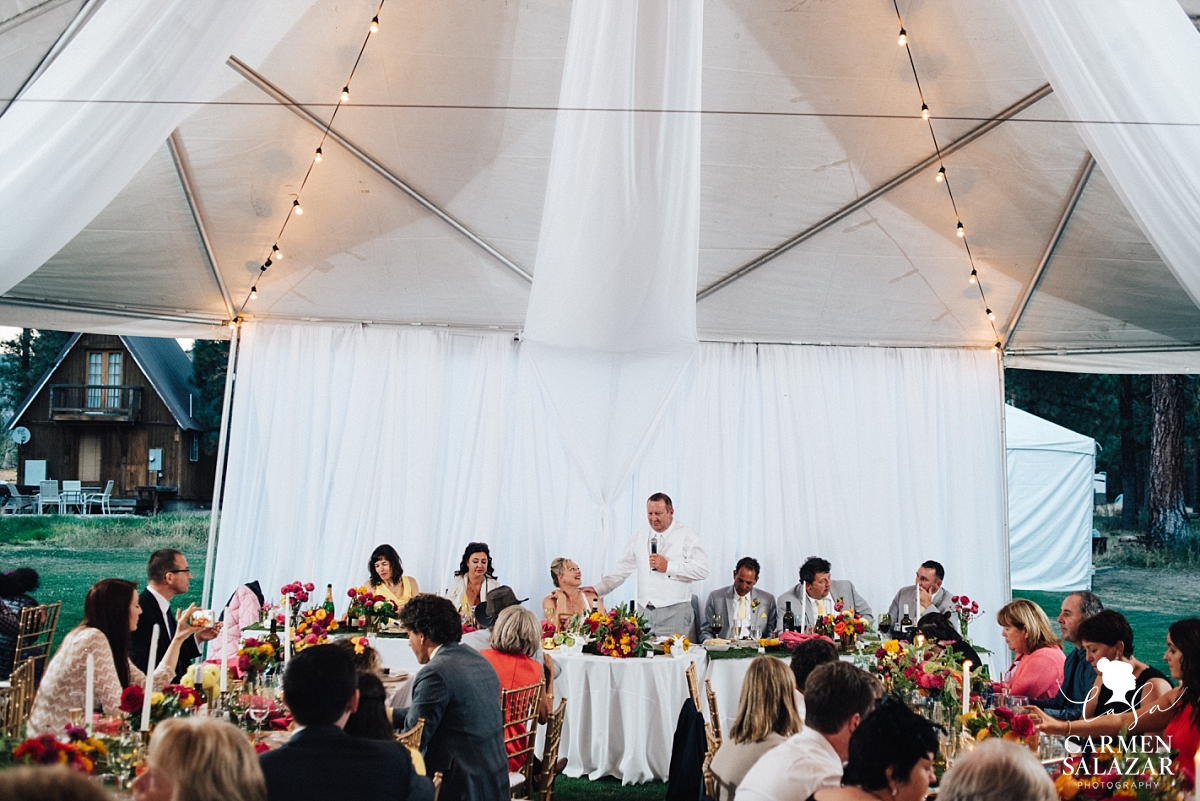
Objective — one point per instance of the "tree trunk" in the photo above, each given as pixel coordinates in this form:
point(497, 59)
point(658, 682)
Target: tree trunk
point(1168, 519)
point(1129, 508)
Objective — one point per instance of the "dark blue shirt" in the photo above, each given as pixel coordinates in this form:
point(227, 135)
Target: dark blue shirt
point(1078, 678)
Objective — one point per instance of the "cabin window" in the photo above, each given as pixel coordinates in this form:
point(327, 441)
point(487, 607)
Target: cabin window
point(194, 449)
point(104, 368)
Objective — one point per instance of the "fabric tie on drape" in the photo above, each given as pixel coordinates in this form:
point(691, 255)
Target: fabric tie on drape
point(67, 149)
point(611, 323)
point(1126, 71)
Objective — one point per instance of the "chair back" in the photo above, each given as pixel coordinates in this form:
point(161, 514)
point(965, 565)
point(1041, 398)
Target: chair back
point(35, 640)
point(520, 706)
point(437, 785)
point(49, 491)
point(72, 486)
point(107, 490)
point(694, 687)
point(19, 702)
point(714, 717)
point(554, 727)
point(16, 500)
point(412, 737)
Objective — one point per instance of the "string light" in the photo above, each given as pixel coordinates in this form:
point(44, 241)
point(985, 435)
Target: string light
point(296, 208)
point(941, 174)
point(903, 40)
point(961, 231)
point(276, 253)
point(996, 348)
point(991, 314)
point(254, 292)
point(974, 276)
point(233, 323)
point(266, 264)
point(924, 111)
point(375, 24)
point(346, 94)
point(318, 156)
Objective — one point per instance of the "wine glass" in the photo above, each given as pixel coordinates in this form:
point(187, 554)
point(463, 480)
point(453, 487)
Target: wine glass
point(718, 623)
point(124, 755)
point(258, 709)
point(885, 623)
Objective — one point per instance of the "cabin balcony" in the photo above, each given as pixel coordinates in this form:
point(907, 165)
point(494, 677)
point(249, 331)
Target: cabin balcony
point(84, 402)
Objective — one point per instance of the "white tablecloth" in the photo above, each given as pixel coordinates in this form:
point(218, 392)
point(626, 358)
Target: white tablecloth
point(621, 714)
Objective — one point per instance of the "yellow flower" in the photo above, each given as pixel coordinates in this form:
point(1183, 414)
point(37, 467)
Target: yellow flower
point(892, 647)
point(156, 699)
point(1067, 786)
point(267, 649)
point(322, 614)
point(187, 701)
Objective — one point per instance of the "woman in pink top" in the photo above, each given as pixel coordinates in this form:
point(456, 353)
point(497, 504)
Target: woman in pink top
point(1037, 671)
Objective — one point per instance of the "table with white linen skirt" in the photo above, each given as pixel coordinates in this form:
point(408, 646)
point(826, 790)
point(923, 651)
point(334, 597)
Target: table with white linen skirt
point(621, 713)
point(398, 657)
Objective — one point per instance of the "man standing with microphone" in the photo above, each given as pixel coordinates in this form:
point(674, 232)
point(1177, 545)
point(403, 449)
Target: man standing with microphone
point(668, 557)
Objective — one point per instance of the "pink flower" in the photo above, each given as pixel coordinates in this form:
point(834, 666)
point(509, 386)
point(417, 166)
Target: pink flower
point(965, 600)
point(953, 599)
point(928, 681)
point(310, 586)
point(975, 607)
point(350, 593)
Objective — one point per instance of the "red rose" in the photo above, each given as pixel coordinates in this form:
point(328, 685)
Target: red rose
point(310, 586)
point(250, 643)
point(1003, 713)
point(131, 699)
point(953, 599)
point(975, 607)
point(1023, 725)
point(965, 600)
point(350, 593)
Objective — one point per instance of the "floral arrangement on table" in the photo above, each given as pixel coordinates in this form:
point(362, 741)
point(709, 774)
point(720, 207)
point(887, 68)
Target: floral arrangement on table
point(966, 609)
point(313, 628)
point(906, 668)
point(254, 657)
point(368, 610)
point(620, 633)
point(1002, 723)
point(844, 625)
point(209, 678)
point(1118, 773)
point(78, 751)
point(297, 593)
point(574, 632)
point(173, 701)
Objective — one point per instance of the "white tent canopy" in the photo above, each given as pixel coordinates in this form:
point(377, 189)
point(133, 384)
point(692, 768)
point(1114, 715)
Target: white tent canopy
point(1050, 501)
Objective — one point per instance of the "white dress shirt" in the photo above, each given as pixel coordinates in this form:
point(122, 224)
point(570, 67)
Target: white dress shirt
point(686, 562)
point(793, 771)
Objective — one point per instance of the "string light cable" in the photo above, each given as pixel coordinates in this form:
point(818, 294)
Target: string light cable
point(943, 178)
point(296, 209)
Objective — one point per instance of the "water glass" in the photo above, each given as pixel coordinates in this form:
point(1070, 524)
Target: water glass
point(1017, 702)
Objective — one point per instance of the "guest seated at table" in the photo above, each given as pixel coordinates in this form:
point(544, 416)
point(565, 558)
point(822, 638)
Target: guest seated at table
point(372, 719)
point(1037, 671)
point(168, 576)
point(200, 759)
point(387, 576)
point(15, 588)
point(568, 599)
point(806, 657)
point(366, 659)
point(45, 782)
point(817, 593)
point(241, 611)
point(456, 694)
point(997, 770)
point(473, 580)
point(766, 716)
point(110, 614)
point(890, 756)
point(1108, 637)
point(838, 697)
point(515, 639)
point(1078, 673)
point(936, 628)
point(321, 761)
point(923, 596)
point(1174, 715)
point(739, 604)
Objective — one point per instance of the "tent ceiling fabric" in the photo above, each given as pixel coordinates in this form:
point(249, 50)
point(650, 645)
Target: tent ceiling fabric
point(802, 107)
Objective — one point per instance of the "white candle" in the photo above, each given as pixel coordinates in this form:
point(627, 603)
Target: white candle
point(966, 701)
point(149, 679)
point(89, 696)
point(225, 653)
point(287, 630)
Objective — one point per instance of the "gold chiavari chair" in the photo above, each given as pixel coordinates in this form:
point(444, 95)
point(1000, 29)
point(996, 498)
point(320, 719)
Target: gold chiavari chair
point(554, 727)
point(520, 706)
point(35, 640)
point(412, 737)
point(19, 702)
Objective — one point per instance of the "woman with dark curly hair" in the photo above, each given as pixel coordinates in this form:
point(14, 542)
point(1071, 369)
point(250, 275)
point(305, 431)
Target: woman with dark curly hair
point(387, 576)
point(473, 580)
point(891, 756)
point(1174, 715)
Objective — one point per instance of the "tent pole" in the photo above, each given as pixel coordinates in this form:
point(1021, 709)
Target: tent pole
point(218, 481)
point(1004, 484)
point(185, 180)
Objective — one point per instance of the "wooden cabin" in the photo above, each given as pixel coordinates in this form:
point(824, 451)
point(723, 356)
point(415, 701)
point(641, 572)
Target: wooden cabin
point(106, 407)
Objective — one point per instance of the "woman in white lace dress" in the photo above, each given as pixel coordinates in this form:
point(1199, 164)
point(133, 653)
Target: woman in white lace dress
point(110, 614)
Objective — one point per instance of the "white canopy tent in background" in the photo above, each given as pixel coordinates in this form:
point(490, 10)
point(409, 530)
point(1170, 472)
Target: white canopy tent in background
point(1050, 502)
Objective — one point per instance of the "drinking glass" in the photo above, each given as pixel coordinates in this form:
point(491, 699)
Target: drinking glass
point(885, 623)
point(717, 623)
point(1017, 702)
point(258, 709)
point(124, 755)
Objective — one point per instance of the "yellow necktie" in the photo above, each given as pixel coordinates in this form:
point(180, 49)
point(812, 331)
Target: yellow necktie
point(741, 607)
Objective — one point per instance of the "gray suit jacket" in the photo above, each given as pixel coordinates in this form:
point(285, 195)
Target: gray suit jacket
point(805, 609)
point(724, 602)
point(458, 694)
point(908, 595)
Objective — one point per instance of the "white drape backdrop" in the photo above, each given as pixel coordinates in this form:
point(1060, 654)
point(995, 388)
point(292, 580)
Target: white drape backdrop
point(346, 437)
point(1126, 72)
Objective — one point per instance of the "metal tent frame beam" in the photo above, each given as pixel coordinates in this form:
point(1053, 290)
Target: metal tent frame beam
point(185, 180)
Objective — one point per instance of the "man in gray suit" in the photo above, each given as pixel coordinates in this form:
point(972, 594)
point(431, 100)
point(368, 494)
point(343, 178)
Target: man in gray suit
point(817, 592)
point(739, 604)
point(926, 594)
point(457, 692)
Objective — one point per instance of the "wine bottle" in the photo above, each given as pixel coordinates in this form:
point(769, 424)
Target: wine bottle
point(905, 621)
point(273, 639)
point(789, 618)
point(328, 605)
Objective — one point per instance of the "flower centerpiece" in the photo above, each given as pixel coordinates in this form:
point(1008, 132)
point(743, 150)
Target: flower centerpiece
point(174, 700)
point(254, 657)
point(1003, 723)
point(573, 636)
point(966, 609)
point(843, 626)
point(78, 752)
point(907, 669)
point(206, 676)
point(620, 633)
point(313, 629)
point(296, 595)
point(368, 610)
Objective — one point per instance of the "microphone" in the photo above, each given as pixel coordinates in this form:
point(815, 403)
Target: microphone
point(654, 545)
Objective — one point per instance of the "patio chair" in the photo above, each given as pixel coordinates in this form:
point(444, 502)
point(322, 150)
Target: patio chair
point(71, 496)
point(35, 640)
point(520, 706)
point(49, 496)
point(17, 502)
point(101, 499)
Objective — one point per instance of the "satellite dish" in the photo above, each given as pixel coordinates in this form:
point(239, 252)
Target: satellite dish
point(20, 435)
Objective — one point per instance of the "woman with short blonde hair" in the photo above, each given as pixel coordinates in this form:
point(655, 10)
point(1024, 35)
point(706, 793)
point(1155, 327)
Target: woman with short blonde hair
point(516, 631)
point(766, 716)
point(1037, 670)
point(997, 771)
point(569, 598)
point(200, 759)
point(515, 637)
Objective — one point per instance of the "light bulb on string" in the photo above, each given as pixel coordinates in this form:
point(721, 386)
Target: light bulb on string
point(276, 253)
point(974, 277)
point(296, 208)
point(233, 323)
point(903, 40)
point(375, 24)
point(961, 231)
point(345, 94)
point(941, 175)
point(266, 264)
point(991, 314)
point(924, 111)
point(319, 155)
point(996, 348)
point(254, 292)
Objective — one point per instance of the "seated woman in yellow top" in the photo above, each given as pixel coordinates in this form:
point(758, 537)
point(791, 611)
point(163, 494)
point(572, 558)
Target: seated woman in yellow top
point(387, 577)
point(568, 599)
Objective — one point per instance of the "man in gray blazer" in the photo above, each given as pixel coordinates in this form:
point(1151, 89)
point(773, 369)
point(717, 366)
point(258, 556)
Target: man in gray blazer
point(457, 692)
point(817, 592)
point(740, 601)
point(926, 594)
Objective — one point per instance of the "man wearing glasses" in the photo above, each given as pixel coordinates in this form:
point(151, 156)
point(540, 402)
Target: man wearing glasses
point(168, 575)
